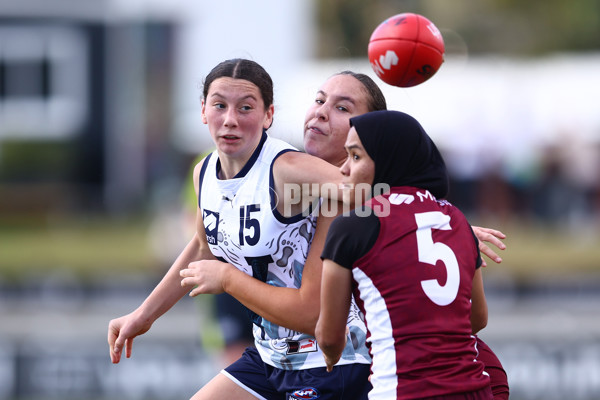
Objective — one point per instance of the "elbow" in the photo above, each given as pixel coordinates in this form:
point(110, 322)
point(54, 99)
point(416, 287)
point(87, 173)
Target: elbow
point(477, 328)
point(329, 341)
point(329, 348)
point(326, 342)
point(478, 321)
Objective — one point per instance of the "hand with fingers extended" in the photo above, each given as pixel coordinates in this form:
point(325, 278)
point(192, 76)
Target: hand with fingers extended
point(122, 331)
point(491, 236)
point(205, 276)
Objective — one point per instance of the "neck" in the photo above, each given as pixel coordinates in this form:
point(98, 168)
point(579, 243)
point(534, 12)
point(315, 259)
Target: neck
point(230, 167)
point(232, 164)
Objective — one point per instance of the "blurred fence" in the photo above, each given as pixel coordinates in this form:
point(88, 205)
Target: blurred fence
point(55, 348)
point(81, 369)
point(176, 370)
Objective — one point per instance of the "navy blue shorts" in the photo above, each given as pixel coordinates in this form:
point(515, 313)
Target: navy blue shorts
point(270, 383)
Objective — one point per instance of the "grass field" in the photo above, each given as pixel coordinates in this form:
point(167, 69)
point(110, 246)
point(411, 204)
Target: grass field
point(549, 251)
point(96, 245)
point(84, 247)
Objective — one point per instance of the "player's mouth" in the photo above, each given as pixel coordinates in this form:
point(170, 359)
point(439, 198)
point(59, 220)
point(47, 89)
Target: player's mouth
point(316, 131)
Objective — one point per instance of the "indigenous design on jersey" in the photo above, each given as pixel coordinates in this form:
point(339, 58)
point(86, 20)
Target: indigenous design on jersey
point(244, 228)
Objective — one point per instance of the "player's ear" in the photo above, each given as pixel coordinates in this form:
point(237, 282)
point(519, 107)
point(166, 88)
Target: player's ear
point(203, 112)
point(269, 117)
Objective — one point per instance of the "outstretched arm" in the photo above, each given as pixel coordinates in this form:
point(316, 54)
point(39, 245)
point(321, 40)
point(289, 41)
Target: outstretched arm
point(336, 295)
point(122, 331)
point(491, 236)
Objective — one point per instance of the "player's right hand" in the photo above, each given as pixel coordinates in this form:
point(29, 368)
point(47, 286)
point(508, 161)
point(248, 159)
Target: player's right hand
point(492, 236)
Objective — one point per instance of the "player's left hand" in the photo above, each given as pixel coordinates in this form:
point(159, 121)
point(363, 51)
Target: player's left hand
point(206, 276)
point(491, 236)
point(330, 362)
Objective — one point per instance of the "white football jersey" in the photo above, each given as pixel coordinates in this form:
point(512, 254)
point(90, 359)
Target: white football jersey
point(244, 228)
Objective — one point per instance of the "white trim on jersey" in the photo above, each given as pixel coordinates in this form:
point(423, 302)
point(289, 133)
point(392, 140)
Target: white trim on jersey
point(383, 351)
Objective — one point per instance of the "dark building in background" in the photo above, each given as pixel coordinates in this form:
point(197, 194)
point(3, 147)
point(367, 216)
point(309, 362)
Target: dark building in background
point(80, 98)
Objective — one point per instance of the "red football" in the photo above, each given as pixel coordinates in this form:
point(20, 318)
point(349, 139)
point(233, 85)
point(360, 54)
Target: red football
point(406, 50)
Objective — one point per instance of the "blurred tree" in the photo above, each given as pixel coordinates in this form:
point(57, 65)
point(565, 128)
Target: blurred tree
point(511, 27)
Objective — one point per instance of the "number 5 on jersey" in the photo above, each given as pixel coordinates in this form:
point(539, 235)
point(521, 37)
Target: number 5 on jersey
point(431, 252)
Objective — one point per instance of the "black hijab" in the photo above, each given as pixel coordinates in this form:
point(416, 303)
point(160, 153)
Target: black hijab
point(403, 153)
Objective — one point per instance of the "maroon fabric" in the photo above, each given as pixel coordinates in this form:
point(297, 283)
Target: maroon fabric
point(435, 350)
point(482, 394)
point(493, 366)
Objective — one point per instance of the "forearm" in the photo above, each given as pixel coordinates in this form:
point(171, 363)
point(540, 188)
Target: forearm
point(169, 290)
point(291, 308)
point(331, 329)
point(479, 310)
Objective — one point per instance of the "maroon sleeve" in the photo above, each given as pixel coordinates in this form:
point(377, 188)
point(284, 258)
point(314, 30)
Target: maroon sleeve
point(478, 264)
point(350, 237)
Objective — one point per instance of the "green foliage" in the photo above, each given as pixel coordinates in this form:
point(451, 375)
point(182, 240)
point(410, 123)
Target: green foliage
point(87, 248)
point(35, 161)
point(509, 27)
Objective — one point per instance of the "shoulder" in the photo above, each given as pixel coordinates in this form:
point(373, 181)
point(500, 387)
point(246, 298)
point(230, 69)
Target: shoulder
point(273, 148)
point(353, 223)
point(457, 215)
point(278, 143)
point(301, 167)
point(198, 168)
point(291, 157)
point(352, 236)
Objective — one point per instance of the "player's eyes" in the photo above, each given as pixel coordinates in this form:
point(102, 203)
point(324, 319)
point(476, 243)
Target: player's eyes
point(342, 108)
point(353, 155)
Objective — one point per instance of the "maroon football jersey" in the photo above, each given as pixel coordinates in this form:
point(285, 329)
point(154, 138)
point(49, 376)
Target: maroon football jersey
point(414, 287)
